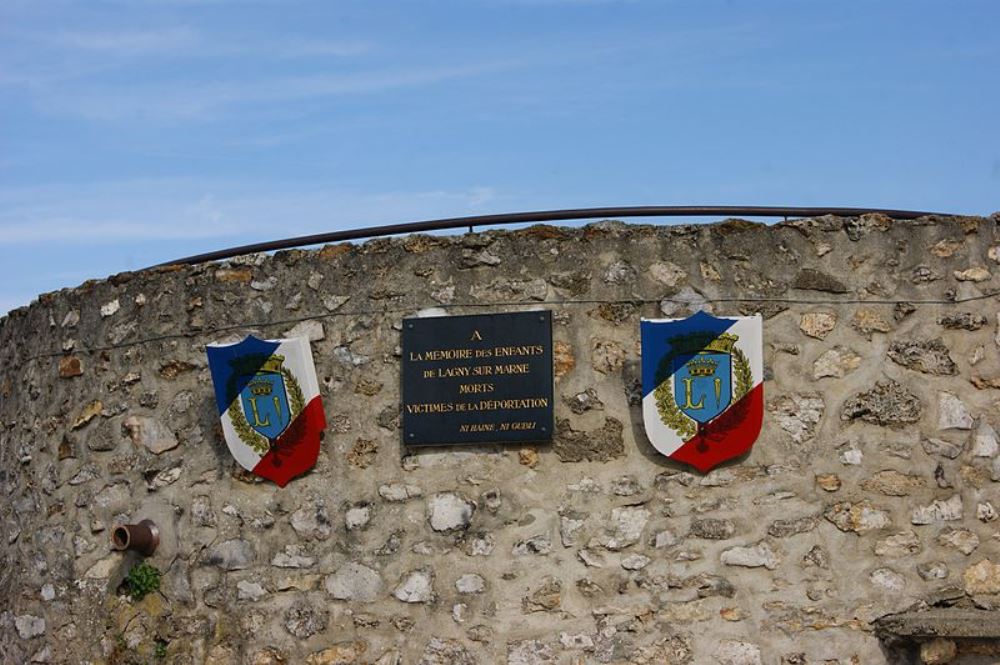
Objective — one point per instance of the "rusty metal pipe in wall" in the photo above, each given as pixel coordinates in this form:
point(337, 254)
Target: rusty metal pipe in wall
point(143, 537)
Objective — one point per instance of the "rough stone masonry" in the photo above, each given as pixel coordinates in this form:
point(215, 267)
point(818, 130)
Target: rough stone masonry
point(873, 489)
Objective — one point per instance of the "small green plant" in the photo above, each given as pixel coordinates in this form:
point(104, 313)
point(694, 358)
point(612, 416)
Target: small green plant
point(160, 650)
point(141, 580)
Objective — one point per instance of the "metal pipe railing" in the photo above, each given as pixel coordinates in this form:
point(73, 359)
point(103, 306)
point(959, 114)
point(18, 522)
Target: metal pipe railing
point(540, 216)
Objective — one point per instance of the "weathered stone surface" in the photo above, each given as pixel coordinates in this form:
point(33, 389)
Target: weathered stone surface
point(303, 620)
point(963, 540)
point(563, 359)
point(310, 330)
point(626, 527)
point(712, 529)
point(530, 652)
point(837, 362)
point(293, 556)
point(362, 453)
point(251, 591)
point(357, 517)
point(982, 578)
point(942, 448)
point(986, 512)
point(798, 414)
point(858, 518)
point(937, 621)
point(584, 401)
point(939, 510)
point(312, 522)
point(755, 556)
point(620, 272)
point(447, 511)
point(29, 626)
point(933, 570)
point(446, 652)
point(973, 274)
point(924, 275)
point(545, 598)
point(984, 441)
point(417, 586)
point(963, 321)
point(354, 581)
point(828, 482)
point(818, 324)
point(905, 543)
point(599, 445)
point(667, 273)
point(624, 530)
point(607, 356)
point(635, 562)
point(938, 651)
point(470, 583)
point(785, 528)
point(888, 579)
point(234, 554)
point(570, 524)
point(110, 308)
point(733, 652)
point(814, 280)
point(70, 366)
point(952, 413)
point(575, 283)
point(867, 320)
point(342, 653)
point(397, 492)
point(927, 356)
point(150, 433)
point(481, 544)
point(88, 413)
point(893, 483)
point(537, 544)
point(888, 403)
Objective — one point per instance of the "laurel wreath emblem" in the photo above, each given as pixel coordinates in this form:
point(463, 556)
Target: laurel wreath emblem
point(248, 435)
point(671, 414)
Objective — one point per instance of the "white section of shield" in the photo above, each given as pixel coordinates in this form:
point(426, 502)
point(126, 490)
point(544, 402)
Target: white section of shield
point(750, 330)
point(299, 361)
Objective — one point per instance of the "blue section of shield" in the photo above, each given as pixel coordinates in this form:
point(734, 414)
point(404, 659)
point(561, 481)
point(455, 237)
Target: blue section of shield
point(655, 345)
point(265, 404)
point(702, 397)
point(220, 364)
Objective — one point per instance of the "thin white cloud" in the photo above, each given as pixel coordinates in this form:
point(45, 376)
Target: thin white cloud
point(172, 101)
point(315, 48)
point(129, 43)
point(119, 214)
point(185, 41)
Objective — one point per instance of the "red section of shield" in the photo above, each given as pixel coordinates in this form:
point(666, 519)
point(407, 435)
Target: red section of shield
point(296, 450)
point(729, 435)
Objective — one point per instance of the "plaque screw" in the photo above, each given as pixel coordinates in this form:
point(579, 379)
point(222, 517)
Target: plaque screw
point(541, 317)
point(412, 435)
point(410, 326)
point(545, 429)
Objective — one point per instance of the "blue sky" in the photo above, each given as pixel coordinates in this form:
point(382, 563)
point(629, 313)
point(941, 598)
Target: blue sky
point(136, 131)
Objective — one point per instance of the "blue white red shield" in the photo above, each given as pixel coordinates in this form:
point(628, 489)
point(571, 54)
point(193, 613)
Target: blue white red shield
point(269, 405)
point(703, 397)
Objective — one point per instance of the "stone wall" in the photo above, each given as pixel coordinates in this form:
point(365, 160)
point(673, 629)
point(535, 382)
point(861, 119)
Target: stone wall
point(873, 486)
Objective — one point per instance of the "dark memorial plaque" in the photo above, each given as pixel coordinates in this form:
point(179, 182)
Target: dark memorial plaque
point(477, 379)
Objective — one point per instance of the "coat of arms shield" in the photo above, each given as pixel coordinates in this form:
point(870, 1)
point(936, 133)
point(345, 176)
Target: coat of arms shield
point(269, 405)
point(703, 396)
